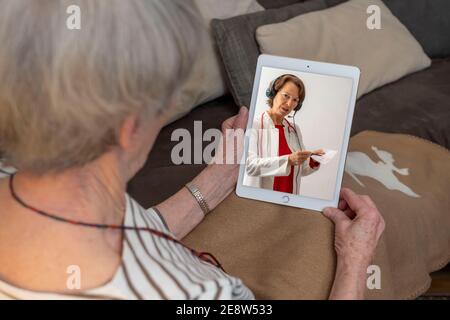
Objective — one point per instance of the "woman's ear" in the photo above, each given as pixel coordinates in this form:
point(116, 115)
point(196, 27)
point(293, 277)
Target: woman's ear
point(129, 131)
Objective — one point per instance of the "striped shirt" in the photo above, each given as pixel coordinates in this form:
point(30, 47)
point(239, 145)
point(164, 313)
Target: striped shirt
point(151, 268)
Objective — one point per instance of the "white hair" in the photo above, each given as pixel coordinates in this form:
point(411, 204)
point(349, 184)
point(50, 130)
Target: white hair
point(65, 93)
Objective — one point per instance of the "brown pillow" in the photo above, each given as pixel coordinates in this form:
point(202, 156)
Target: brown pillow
point(288, 253)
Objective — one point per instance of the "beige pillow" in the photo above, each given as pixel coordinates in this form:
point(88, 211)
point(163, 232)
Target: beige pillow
point(207, 80)
point(340, 35)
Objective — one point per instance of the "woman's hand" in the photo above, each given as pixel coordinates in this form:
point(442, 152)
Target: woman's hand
point(231, 146)
point(358, 227)
point(298, 157)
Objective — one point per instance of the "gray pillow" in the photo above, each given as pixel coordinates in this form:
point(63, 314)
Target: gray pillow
point(428, 21)
point(239, 49)
point(332, 3)
point(270, 4)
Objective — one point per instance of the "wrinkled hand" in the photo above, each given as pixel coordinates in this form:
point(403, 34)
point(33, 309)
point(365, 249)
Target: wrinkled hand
point(358, 227)
point(231, 146)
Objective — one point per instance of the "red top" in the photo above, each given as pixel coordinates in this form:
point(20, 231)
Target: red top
point(285, 183)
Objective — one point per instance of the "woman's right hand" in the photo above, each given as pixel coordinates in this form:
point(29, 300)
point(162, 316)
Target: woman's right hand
point(358, 227)
point(298, 157)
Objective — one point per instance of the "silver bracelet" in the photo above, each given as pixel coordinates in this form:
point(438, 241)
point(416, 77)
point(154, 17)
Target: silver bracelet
point(199, 197)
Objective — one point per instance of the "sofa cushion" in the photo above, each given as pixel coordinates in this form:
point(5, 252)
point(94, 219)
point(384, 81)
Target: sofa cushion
point(271, 4)
point(428, 21)
point(340, 35)
point(418, 104)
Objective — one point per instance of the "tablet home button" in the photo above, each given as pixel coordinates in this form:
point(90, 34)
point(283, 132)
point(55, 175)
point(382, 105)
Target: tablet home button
point(285, 199)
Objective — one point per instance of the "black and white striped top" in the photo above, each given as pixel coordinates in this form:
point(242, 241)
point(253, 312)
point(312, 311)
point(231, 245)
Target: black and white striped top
point(151, 268)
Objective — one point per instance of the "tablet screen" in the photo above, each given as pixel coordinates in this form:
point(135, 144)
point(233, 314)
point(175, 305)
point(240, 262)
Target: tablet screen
point(298, 129)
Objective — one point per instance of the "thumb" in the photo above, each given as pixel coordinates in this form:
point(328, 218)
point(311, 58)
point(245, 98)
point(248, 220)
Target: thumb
point(241, 120)
point(335, 215)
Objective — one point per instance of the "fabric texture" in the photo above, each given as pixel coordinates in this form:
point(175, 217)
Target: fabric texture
point(270, 4)
point(418, 104)
point(207, 80)
point(340, 35)
point(332, 3)
point(235, 38)
point(288, 253)
point(428, 21)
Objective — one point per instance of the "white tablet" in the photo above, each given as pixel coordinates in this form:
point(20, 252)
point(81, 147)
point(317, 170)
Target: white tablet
point(298, 132)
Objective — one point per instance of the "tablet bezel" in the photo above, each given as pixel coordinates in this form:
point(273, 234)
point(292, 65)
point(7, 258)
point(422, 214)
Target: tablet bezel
point(307, 66)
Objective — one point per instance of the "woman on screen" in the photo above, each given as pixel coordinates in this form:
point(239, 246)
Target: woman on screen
point(277, 158)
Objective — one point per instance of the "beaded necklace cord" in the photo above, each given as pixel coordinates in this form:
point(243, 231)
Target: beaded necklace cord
point(205, 256)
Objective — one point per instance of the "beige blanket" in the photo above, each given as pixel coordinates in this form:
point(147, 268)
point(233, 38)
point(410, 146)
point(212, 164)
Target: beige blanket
point(287, 253)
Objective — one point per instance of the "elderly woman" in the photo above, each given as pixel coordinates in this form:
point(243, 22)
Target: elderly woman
point(80, 111)
point(277, 158)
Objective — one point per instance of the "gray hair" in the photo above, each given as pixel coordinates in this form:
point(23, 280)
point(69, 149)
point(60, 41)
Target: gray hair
point(65, 93)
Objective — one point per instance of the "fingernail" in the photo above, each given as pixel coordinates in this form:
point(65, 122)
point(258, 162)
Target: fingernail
point(326, 211)
point(242, 110)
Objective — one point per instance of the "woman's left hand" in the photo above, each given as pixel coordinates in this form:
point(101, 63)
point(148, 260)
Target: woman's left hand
point(231, 146)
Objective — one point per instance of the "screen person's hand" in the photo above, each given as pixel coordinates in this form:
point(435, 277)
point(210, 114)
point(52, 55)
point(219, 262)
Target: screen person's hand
point(298, 157)
point(319, 152)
